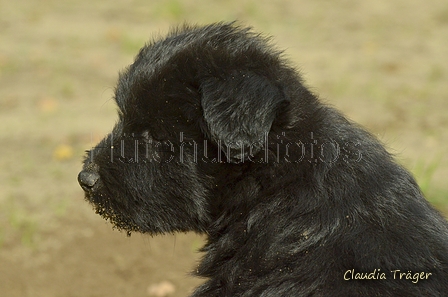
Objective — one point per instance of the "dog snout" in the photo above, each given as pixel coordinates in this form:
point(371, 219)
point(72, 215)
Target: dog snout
point(88, 179)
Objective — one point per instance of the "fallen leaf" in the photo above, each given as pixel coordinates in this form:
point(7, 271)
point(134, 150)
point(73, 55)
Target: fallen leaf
point(48, 105)
point(63, 152)
point(162, 289)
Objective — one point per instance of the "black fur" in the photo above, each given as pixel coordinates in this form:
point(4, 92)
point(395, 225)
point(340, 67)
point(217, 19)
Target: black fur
point(218, 135)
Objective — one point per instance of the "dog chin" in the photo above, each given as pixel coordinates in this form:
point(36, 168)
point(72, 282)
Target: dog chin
point(129, 222)
point(122, 222)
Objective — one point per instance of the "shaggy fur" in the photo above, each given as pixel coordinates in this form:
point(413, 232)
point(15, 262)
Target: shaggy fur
point(218, 135)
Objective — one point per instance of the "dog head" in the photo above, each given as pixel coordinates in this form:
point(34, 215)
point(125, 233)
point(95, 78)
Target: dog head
point(202, 98)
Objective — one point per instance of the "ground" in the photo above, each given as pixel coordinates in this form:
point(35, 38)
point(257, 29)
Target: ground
point(383, 63)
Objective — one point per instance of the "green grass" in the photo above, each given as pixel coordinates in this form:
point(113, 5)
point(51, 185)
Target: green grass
point(424, 172)
point(22, 225)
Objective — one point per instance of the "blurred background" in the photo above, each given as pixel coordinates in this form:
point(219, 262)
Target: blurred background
point(384, 63)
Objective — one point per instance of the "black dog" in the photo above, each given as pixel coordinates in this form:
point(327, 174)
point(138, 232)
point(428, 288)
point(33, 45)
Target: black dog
point(218, 135)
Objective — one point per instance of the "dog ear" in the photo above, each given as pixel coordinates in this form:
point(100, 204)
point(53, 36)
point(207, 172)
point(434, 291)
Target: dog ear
point(239, 110)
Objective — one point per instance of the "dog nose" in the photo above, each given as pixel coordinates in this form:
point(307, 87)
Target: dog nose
point(87, 179)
